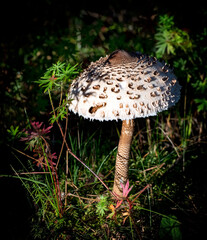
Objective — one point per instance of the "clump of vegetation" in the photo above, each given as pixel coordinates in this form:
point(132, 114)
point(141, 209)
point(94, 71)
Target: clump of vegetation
point(170, 38)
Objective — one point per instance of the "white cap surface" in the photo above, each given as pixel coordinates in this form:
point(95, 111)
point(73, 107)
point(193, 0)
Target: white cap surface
point(123, 86)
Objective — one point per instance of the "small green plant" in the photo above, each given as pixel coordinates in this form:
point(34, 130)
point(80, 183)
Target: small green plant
point(58, 76)
point(57, 79)
point(202, 104)
point(170, 38)
point(14, 132)
point(102, 206)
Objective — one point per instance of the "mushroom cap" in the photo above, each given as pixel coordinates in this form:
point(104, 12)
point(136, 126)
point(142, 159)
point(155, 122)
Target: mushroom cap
point(124, 86)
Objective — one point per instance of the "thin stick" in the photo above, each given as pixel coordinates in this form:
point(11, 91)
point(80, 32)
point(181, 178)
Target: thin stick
point(140, 192)
point(84, 198)
point(66, 127)
point(33, 173)
point(170, 141)
point(90, 170)
point(66, 178)
point(24, 154)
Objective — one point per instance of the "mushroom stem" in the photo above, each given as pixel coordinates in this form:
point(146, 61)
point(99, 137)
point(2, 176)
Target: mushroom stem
point(122, 158)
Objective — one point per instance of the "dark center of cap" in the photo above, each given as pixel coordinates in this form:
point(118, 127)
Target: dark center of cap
point(121, 57)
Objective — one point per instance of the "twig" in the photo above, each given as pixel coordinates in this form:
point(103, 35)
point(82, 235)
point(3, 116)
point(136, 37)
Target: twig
point(148, 186)
point(170, 141)
point(157, 167)
point(84, 198)
point(31, 173)
point(90, 170)
point(66, 178)
point(24, 154)
point(66, 126)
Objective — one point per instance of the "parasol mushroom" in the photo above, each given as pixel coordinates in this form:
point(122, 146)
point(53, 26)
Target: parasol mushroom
point(123, 86)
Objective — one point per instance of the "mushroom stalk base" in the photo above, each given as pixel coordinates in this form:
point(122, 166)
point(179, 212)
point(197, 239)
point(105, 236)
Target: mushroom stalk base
point(122, 158)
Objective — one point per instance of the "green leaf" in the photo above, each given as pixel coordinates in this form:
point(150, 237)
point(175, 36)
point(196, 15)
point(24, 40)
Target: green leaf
point(202, 104)
point(170, 228)
point(14, 132)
